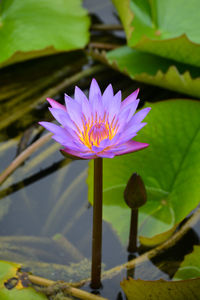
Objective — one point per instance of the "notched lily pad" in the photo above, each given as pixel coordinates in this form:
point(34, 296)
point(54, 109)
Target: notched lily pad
point(161, 289)
point(152, 69)
point(29, 29)
point(155, 27)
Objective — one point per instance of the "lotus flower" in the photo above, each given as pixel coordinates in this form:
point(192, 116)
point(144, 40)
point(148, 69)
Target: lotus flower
point(102, 126)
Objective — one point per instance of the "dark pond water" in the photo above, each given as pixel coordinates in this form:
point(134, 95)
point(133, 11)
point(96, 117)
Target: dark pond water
point(45, 217)
point(46, 222)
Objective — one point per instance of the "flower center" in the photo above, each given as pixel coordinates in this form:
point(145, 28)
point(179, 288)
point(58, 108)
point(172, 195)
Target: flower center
point(97, 129)
point(97, 133)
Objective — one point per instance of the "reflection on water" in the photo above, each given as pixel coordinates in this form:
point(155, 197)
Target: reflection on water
point(46, 199)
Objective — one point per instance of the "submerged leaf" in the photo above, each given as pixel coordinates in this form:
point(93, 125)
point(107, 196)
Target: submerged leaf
point(4, 207)
point(155, 27)
point(170, 168)
point(190, 267)
point(161, 289)
point(31, 28)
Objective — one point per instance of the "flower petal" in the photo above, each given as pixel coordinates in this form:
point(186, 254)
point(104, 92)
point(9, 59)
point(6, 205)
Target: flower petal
point(74, 110)
point(107, 154)
point(52, 127)
point(131, 108)
point(130, 133)
point(85, 155)
point(132, 146)
point(138, 117)
point(107, 95)
point(114, 106)
point(79, 96)
point(63, 118)
point(55, 104)
point(61, 135)
point(131, 98)
point(94, 92)
point(122, 120)
point(81, 115)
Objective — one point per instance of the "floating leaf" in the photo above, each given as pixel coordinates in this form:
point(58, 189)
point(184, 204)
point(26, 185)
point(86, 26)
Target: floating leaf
point(31, 28)
point(11, 286)
point(156, 27)
point(155, 70)
point(161, 289)
point(169, 167)
point(190, 267)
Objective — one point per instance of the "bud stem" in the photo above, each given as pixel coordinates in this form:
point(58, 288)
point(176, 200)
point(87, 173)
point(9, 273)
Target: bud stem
point(132, 247)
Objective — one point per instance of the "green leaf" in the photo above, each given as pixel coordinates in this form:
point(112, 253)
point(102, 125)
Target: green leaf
point(8, 273)
point(156, 27)
point(154, 70)
point(161, 289)
point(190, 267)
point(31, 28)
point(7, 270)
point(169, 167)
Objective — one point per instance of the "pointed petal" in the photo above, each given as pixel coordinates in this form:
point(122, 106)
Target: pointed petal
point(122, 120)
point(105, 143)
point(67, 155)
point(55, 104)
point(125, 138)
point(63, 118)
point(67, 99)
point(79, 96)
point(114, 106)
point(132, 97)
point(132, 146)
point(94, 92)
point(138, 117)
point(75, 111)
point(107, 154)
point(107, 95)
point(131, 108)
point(53, 128)
point(61, 135)
point(88, 155)
point(64, 140)
point(131, 132)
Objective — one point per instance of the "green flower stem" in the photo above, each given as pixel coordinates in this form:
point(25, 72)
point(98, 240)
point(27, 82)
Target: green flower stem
point(97, 225)
point(132, 247)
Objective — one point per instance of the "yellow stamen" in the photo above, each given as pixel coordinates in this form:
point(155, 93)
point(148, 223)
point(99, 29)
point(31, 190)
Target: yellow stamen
point(97, 129)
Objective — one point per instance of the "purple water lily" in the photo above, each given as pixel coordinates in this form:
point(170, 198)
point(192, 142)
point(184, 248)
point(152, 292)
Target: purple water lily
point(102, 126)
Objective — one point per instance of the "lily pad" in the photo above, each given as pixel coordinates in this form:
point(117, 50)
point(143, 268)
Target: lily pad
point(161, 289)
point(156, 27)
point(11, 286)
point(152, 69)
point(190, 267)
point(31, 28)
point(169, 167)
